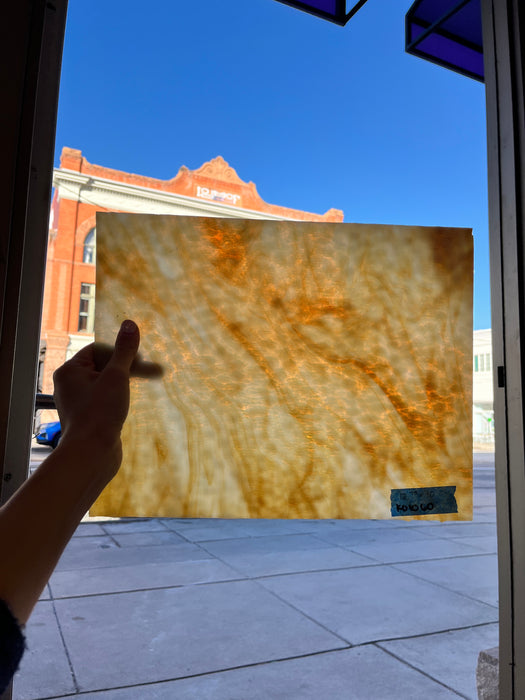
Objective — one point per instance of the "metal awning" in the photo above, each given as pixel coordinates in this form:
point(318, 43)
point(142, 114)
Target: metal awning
point(447, 32)
point(333, 10)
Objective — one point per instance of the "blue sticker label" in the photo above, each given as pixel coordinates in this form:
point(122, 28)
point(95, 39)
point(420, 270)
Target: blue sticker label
point(424, 501)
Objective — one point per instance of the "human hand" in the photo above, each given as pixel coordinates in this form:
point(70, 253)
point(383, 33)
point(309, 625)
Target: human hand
point(92, 397)
point(92, 392)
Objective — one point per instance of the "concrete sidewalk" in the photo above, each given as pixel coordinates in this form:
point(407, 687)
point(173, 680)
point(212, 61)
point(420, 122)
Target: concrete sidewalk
point(260, 610)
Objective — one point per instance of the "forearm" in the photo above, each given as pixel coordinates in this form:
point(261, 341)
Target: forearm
point(38, 521)
point(92, 398)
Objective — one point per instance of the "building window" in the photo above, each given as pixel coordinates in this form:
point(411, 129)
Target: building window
point(482, 362)
point(86, 313)
point(90, 247)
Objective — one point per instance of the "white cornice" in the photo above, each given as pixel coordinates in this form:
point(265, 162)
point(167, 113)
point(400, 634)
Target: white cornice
point(120, 196)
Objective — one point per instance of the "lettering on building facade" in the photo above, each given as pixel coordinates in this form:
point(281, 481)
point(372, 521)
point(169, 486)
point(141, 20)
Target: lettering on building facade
point(216, 196)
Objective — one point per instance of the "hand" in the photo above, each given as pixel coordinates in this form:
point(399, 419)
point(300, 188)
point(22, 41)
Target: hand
point(92, 391)
point(92, 397)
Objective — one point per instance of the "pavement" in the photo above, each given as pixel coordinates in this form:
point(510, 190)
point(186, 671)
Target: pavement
point(167, 609)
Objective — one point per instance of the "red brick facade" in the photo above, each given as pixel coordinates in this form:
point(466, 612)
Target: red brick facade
point(73, 216)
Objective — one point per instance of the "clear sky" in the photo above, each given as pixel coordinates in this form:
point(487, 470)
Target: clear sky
point(317, 115)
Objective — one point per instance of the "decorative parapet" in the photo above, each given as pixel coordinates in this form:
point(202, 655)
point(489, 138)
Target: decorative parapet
point(214, 186)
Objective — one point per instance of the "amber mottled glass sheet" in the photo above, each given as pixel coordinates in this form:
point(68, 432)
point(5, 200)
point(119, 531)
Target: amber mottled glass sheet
point(310, 368)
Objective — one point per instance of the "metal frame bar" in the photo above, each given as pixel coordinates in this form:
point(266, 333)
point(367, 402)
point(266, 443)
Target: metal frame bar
point(340, 17)
point(434, 27)
point(504, 58)
point(355, 9)
point(30, 234)
point(431, 27)
point(34, 46)
point(45, 401)
point(447, 65)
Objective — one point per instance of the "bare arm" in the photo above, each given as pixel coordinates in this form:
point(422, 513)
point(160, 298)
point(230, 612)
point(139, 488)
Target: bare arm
point(92, 397)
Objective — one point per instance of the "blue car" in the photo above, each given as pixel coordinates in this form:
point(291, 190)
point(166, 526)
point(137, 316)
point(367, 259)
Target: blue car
point(49, 434)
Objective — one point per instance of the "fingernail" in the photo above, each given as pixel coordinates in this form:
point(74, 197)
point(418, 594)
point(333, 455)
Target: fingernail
point(128, 327)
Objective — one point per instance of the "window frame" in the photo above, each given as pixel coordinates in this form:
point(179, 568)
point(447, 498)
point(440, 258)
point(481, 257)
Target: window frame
point(87, 296)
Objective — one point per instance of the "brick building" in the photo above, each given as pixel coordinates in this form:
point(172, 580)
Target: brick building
point(82, 189)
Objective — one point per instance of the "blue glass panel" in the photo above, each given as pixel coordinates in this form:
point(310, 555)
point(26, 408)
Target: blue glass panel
point(338, 11)
point(428, 9)
point(324, 5)
point(454, 40)
point(415, 30)
point(431, 10)
point(451, 54)
point(466, 23)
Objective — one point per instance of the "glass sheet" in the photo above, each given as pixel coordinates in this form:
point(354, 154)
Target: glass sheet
point(452, 54)
point(329, 6)
point(464, 25)
point(458, 42)
point(311, 370)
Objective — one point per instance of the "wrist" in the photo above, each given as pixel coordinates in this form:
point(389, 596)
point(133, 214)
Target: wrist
point(100, 455)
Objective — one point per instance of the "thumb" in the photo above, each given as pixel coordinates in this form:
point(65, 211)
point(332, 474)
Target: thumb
point(126, 345)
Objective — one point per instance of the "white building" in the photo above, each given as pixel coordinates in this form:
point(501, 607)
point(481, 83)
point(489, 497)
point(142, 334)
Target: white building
point(482, 388)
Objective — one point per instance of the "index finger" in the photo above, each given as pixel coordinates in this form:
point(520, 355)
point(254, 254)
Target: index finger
point(126, 346)
point(102, 353)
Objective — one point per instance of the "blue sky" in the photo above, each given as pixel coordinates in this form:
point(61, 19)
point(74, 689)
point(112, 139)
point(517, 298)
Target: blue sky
point(318, 116)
